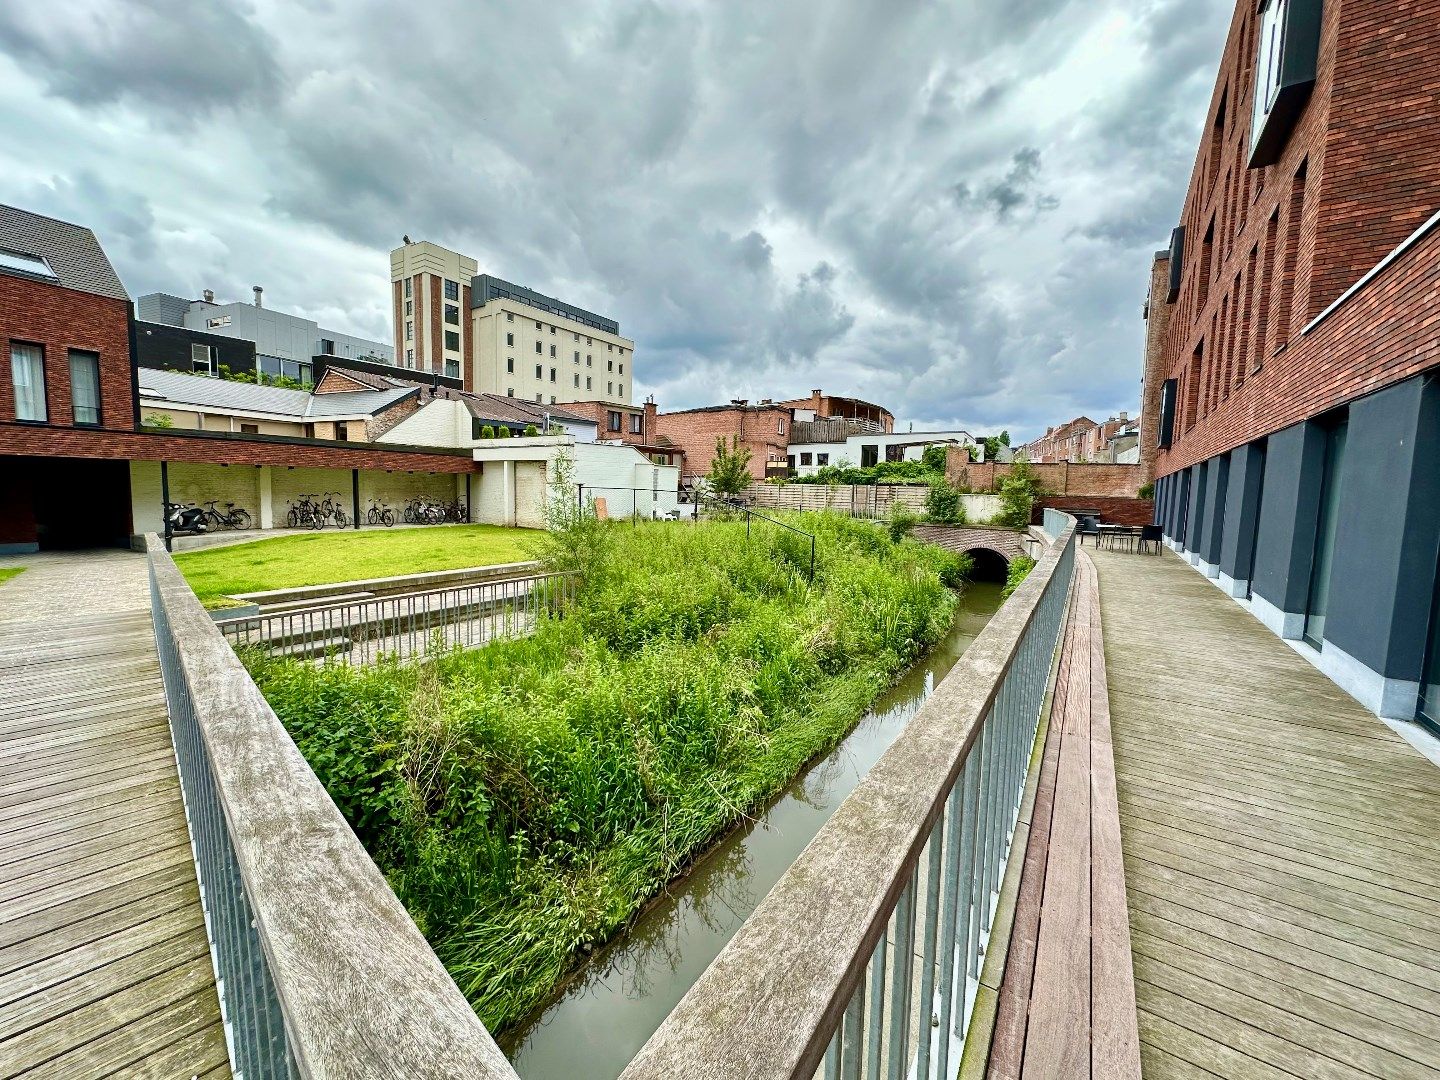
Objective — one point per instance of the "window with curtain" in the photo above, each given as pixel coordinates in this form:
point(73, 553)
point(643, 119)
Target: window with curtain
point(85, 386)
point(27, 373)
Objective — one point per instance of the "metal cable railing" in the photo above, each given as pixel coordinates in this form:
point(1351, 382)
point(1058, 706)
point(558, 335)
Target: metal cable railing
point(319, 969)
point(865, 959)
point(408, 626)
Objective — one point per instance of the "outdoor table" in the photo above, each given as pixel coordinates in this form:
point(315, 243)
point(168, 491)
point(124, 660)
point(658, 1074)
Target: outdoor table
point(1111, 533)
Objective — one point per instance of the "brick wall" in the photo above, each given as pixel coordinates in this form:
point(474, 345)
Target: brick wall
point(467, 341)
point(1060, 478)
point(60, 319)
point(1157, 328)
point(1357, 176)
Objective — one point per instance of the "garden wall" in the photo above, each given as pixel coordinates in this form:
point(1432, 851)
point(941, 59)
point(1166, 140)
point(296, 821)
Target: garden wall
point(1113, 511)
point(1056, 477)
point(862, 500)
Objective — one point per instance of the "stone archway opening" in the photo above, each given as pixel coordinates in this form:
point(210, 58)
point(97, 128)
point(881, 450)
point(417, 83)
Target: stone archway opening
point(988, 565)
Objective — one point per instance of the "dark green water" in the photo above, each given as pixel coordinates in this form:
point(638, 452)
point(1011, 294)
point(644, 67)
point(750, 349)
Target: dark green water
point(603, 1017)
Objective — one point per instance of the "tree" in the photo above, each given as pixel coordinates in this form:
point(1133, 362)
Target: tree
point(993, 443)
point(576, 539)
point(487, 432)
point(729, 473)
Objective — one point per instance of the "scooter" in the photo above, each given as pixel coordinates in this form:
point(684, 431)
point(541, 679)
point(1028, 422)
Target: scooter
point(185, 518)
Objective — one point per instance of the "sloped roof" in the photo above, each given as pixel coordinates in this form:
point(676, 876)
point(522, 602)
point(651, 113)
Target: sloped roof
point(71, 250)
point(514, 411)
point(183, 389)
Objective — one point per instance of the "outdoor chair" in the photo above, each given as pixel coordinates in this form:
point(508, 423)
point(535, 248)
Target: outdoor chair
point(1151, 535)
point(1088, 526)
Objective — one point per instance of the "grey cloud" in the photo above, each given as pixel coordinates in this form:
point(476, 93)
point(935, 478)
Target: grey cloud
point(923, 204)
point(185, 56)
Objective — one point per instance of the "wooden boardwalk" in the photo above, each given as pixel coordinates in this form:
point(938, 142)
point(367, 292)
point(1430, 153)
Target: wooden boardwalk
point(104, 965)
point(1281, 847)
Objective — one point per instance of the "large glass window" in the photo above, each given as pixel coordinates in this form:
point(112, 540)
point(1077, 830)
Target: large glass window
point(27, 374)
point(452, 290)
point(1327, 526)
point(85, 386)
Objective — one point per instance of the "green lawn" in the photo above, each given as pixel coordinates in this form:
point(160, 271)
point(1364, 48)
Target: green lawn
point(6, 573)
point(323, 557)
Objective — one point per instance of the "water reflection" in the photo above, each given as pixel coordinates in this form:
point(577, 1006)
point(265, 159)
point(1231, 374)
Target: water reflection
point(621, 995)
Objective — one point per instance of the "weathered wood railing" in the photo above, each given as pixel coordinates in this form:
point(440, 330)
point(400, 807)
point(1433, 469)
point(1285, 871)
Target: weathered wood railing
point(321, 972)
point(897, 891)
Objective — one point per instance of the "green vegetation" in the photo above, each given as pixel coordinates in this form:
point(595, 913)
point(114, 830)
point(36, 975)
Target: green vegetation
point(8, 572)
point(531, 431)
point(729, 469)
point(487, 432)
point(993, 443)
point(1018, 492)
point(1147, 491)
point(943, 505)
point(1019, 568)
point(929, 469)
point(526, 799)
point(158, 420)
point(901, 520)
point(317, 558)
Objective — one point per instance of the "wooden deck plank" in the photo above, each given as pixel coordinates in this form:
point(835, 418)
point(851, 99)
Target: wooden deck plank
point(1282, 865)
point(105, 966)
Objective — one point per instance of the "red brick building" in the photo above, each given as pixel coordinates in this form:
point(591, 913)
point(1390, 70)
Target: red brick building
point(634, 425)
point(1296, 429)
point(763, 429)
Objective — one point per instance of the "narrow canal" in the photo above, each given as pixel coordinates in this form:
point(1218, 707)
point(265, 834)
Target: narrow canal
point(603, 1017)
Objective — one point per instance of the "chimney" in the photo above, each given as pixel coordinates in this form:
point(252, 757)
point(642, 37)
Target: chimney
point(209, 296)
point(258, 293)
point(1124, 416)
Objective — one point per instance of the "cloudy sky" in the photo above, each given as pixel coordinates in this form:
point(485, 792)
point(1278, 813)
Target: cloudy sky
point(946, 207)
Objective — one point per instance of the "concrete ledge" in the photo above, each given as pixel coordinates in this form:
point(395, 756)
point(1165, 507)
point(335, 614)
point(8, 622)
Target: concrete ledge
point(1395, 699)
point(1289, 625)
point(1234, 588)
point(1210, 570)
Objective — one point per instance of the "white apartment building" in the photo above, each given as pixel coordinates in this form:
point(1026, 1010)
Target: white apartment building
point(866, 448)
point(430, 294)
point(502, 338)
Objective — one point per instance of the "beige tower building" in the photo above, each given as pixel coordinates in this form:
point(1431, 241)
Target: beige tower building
point(430, 295)
point(508, 340)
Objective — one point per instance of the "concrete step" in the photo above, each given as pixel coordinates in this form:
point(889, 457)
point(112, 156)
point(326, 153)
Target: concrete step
point(405, 583)
point(304, 650)
point(301, 605)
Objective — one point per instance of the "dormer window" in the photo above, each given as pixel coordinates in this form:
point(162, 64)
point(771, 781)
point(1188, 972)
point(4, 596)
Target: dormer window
point(25, 262)
point(1287, 49)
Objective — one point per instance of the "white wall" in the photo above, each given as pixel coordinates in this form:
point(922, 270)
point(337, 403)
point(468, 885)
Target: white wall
point(850, 451)
point(441, 422)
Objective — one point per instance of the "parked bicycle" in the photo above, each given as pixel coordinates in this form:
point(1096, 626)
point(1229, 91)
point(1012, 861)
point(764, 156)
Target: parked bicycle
point(330, 511)
point(380, 514)
point(231, 518)
point(302, 514)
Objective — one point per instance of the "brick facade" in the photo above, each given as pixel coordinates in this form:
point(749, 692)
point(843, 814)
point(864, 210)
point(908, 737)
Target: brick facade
point(58, 320)
point(763, 429)
point(1267, 250)
point(1157, 328)
point(1113, 510)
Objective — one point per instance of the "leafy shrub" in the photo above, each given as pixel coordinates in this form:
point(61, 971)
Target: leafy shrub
point(531, 431)
point(1019, 568)
point(902, 519)
point(1018, 492)
point(943, 505)
point(729, 473)
point(487, 432)
point(158, 420)
point(527, 798)
point(1147, 491)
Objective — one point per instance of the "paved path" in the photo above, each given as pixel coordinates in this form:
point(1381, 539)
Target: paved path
point(104, 965)
point(1281, 847)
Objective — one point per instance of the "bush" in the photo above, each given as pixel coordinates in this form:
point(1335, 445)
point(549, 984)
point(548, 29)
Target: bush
point(526, 799)
point(1019, 568)
point(1018, 492)
point(531, 431)
point(1147, 491)
point(943, 505)
point(729, 473)
point(487, 432)
point(902, 519)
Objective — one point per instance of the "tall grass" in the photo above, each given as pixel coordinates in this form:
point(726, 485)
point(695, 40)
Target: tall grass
point(527, 798)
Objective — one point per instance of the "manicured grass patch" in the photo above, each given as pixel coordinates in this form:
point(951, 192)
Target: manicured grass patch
point(526, 799)
point(323, 557)
point(8, 572)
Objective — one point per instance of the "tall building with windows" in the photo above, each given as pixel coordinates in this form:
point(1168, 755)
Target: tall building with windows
point(502, 338)
point(1296, 353)
point(430, 294)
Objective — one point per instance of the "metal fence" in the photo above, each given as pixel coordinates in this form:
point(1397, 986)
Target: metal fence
point(319, 970)
point(865, 958)
point(408, 626)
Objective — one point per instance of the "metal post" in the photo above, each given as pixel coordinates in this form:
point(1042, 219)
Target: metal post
point(355, 494)
point(812, 560)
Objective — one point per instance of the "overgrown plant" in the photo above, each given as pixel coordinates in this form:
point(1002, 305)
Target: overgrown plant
point(943, 505)
point(1018, 492)
point(901, 520)
point(576, 540)
point(1019, 568)
point(526, 799)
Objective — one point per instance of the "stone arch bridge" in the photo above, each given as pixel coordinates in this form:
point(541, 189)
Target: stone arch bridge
point(991, 548)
